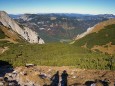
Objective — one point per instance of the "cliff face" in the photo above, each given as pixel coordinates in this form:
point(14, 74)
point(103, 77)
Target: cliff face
point(25, 32)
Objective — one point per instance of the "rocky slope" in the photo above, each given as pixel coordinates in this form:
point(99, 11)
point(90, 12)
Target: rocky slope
point(24, 32)
point(41, 76)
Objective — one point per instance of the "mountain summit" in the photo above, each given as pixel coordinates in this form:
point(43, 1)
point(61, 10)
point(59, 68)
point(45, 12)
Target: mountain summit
point(24, 32)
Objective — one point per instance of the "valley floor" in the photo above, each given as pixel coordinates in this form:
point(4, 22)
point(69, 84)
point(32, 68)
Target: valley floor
point(41, 76)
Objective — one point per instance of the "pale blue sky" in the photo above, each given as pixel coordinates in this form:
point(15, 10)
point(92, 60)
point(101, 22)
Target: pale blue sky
point(58, 6)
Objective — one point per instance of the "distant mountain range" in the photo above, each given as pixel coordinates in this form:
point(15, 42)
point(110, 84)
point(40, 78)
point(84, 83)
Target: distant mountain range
point(15, 16)
point(55, 27)
point(68, 14)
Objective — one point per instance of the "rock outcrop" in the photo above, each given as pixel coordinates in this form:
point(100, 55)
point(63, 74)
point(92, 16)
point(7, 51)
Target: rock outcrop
point(25, 32)
point(44, 76)
point(85, 33)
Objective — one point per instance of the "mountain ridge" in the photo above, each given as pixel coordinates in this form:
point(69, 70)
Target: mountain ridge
point(96, 28)
point(99, 38)
point(25, 32)
point(66, 14)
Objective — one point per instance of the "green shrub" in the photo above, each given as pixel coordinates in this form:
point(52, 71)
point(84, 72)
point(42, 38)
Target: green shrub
point(55, 54)
point(103, 37)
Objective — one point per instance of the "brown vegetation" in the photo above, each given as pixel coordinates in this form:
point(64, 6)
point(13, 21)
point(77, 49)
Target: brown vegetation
point(9, 33)
point(101, 25)
point(108, 48)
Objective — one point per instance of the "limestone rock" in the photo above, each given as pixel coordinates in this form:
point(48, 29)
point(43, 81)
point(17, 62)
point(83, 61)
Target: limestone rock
point(25, 32)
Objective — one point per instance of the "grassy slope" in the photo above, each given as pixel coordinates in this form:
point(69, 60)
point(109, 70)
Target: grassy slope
point(55, 54)
point(2, 35)
point(103, 37)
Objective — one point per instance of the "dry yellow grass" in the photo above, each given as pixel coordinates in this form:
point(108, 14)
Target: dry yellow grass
point(10, 34)
point(108, 48)
point(101, 25)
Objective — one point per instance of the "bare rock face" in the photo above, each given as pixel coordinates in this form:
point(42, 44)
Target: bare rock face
point(25, 32)
point(85, 33)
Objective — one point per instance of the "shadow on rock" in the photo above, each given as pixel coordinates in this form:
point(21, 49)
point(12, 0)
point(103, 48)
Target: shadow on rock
point(10, 82)
point(97, 83)
point(88, 83)
point(5, 67)
point(55, 79)
point(64, 76)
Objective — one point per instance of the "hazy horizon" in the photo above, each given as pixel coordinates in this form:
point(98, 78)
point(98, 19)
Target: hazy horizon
point(93, 7)
point(55, 13)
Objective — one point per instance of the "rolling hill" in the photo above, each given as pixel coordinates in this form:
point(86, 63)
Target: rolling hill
point(99, 38)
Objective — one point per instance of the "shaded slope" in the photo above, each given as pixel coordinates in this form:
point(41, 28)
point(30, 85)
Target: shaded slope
point(2, 35)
